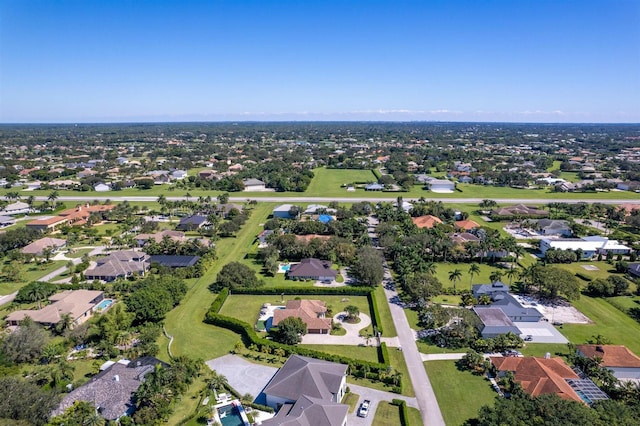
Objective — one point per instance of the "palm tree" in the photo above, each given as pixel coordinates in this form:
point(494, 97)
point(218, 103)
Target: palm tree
point(36, 293)
point(429, 268)
point(495, 276)
point(474, 269)
point(525, 274)
point(512, 272)
point(216, 381)
point(65, 323)
point(454, 277)
point(352, 312)
point(53, 197)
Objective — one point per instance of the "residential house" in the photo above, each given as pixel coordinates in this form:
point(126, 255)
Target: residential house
point(554, 227)
point(78, 304)
point(590, 245)
point(542, 376)
point(112, 390)
point(624, 364)
point(629, 186)
point(311, 312)
point(74, 217)
point(37, 247)
point(374, 187)
point(262, 238)
point(16, 208)
point(427, 221)
point(6, 221)
point(634, 269)
point(463, 238)
point(307, 391)
point(466, 225)
point(102, 187)
point(192, 223)
point(86, 173)
point(441, 185)
point(494, 322)
point(208, 174)
point(178, 174)
point(283, 211)
point(519, 210)
point(254, 185)
point(312, 269)
point(176, 236)
point(119, 264)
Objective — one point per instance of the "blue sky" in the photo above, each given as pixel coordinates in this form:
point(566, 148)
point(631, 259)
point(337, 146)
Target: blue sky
point(137, 60)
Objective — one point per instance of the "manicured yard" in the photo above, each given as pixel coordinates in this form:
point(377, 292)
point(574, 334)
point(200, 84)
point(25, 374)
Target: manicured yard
point(609, 322)
point(541, 349)
point(603, 271)
point(388, 328)
point(30, 272)
point(398, 364)
point(460, 394)
point(624, 302)
point(443, 270)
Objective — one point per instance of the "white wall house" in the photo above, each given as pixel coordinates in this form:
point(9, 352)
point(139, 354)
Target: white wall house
point(590, 246)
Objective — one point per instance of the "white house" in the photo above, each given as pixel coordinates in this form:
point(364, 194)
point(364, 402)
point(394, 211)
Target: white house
point(102, 187)
point(441, 185)
point(16, 208)
point(179, 174)
point(283, 211)
point(590, 246)
point(254, 185)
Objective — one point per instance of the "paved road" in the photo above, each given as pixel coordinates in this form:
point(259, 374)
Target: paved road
point(375, 396)
point(426, 398)
point(297, 199)
point(8, 298)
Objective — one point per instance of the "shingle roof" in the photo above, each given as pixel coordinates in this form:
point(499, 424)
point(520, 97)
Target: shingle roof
point(72, 302)
point(120, 264)
point(38, 246)
point(306, 376)
point(308, 411)
point(312, 268)
point(174, 261)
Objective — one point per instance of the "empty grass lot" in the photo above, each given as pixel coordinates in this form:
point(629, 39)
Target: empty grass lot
point(460, 394)
point(443, 270)
point(609, 322)
point(365, 353)
point(328, 182)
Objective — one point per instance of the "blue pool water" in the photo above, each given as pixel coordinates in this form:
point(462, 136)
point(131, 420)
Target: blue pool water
point(285, 268)
point(230, 416)
point(104, 304)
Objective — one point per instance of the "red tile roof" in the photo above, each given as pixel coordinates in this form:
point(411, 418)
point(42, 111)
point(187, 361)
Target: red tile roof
point(611, 355)
point(427, 221)
point(539, 376)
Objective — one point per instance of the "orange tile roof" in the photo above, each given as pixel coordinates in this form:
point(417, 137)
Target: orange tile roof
point(466, 224)
point(307, 310)
point(427, 221)
point(48, 221)
point(309, 237)
point(539, 376)
point(611, 355)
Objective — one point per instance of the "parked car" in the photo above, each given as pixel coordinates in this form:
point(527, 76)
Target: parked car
point(511, 352)
point(364, 408)
point(528, 338)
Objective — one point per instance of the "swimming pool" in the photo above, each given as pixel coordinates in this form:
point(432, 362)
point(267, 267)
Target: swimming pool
point(284, 267)
point(104, 304)
point(230, 415)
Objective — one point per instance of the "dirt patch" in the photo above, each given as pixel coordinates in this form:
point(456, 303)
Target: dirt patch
point(556, 310)
point(590, 267)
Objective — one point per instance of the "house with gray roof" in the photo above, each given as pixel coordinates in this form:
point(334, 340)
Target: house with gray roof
point(111, 391)
point(253, 184)
point(494, 322)
point(307, 391)
point(554, 227)
point(192, 223)
point(119, 264)
point(16, 208)
point(312, 269)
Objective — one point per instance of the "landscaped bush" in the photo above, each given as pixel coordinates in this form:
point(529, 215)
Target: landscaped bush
point(404, 412)
point(219, 301)
point(306, 291)
point(384, 353)
point(583, 277)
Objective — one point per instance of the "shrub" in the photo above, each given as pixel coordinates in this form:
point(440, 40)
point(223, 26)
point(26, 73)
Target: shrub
point(374, 310)
point(583, 277)
point(384, 354)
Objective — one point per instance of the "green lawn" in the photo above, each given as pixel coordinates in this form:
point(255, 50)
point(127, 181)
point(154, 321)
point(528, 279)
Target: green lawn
point(351, 399)
point(460, 394)
point(443, 270)
point(386, 414)
point(30, 272)
point(415, 419)
point(604, 269)
point(191, 335)
point(541, 349)
point(327, 182)
point(398, 364)
point(388, 328)
point(610, 322)
point(365, 353)
point(624, 302)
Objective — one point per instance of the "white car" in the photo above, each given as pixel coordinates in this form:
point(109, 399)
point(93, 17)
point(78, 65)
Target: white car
point(364, 408)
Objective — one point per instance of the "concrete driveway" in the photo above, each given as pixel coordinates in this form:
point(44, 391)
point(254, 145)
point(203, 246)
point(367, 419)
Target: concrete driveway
point(541, 332)
point(242, 375)
point(375, 396)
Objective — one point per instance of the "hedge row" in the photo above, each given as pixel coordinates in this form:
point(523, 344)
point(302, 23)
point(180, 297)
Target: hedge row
point(404, 412)
point(306, 291)
point(374, 309)
point(377, 173)
point(312, 291)
point(249, 333)
point(219, 300)
point(384, 353)
point(583, 277)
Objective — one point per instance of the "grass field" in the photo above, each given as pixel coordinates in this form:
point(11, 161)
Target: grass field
point(386, 414)
point(30, 272)
point(365, 353)
point(351, 399)
point(460, 394)
point(604, 269)
point(609, 322)
point(443, 270)
point(328, 182)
